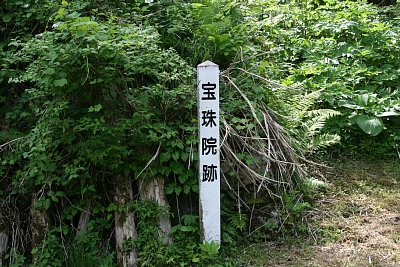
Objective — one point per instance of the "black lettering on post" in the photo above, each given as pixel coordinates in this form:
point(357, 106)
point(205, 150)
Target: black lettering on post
point(208, 145)
point(209, 173)
point(209, 91)
point(208, 118)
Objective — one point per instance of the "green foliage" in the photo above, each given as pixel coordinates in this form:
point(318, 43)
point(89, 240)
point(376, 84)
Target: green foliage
point(347, 50)
point(98, 116)
point(313, 184)
point(185, 250)
point(18, 259)
point(50, 252)
point(370, 125)
point(306, 122)
point(84, 250)
point(95, 89)
point(238, 221)
point(200, 30)
point(97, 98)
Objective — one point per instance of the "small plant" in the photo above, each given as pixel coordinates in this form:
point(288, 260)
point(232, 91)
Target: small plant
point(87, 250)
point(50, 253)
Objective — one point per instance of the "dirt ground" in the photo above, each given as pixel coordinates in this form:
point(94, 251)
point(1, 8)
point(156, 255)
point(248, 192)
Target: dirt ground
point(355, 223)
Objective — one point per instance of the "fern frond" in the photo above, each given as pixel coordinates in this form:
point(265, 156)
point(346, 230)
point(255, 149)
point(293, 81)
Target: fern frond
point(316, 121)
point(304, 103)
point(323, 141)
point(313, 126)
point(315, 184)
point(326, 113)
point(296, 103)
point(238, 221)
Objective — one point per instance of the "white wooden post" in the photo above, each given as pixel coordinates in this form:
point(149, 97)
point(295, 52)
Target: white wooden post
point(209, 151)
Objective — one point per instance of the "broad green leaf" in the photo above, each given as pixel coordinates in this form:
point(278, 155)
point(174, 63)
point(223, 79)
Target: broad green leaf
point(74, 15)
point(197, 5)
point(184, 156)
point(346, 104)
point(175, 155)
point(185, 228)
point(47, 204)
point(171, 188)
point(165, 156)
point(364, 99)
point(370, 124)
point(60, 82)
point(195, 259)
point(49, 71)
point(186, 189)
point(195, 188)
point(178, 190)
point(177, 167)
point(95, 108)
point(182, 178)
point(7, 18)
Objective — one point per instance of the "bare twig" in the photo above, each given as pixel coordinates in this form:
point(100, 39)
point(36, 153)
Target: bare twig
point(151, 160)
point(2, 147)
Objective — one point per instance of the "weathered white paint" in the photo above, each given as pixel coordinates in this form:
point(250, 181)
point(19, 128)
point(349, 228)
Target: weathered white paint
point(209, 151)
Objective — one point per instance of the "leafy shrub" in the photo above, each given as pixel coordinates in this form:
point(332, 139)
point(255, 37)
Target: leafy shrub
point(87, 250)
point(186, 249)
point(84, 250)
point(94, 88)
point(348, 50)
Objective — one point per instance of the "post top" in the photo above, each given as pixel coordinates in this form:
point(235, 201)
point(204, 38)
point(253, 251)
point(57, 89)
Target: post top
point(207, 64)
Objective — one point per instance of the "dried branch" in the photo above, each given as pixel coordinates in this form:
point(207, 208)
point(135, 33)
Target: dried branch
point(3, 146)
point(151, 160)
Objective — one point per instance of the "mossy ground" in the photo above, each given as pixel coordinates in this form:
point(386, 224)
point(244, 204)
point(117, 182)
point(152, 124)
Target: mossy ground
point(356, 222)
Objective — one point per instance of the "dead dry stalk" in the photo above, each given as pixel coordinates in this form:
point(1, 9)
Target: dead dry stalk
point(272, 165)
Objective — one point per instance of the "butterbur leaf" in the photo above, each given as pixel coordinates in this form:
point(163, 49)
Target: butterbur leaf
point(364, 99)
point(371, 125)
point(351, 106)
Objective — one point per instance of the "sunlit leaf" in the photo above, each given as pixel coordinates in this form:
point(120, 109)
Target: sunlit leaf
point(370, 124)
